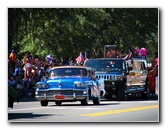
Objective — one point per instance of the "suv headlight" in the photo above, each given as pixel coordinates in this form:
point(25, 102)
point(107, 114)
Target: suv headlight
point(41, 86)
point(119, 77)
point(80, 84)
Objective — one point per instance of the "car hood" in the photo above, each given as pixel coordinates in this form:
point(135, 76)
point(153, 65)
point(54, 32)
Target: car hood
point(64, 82)
point(106, 73)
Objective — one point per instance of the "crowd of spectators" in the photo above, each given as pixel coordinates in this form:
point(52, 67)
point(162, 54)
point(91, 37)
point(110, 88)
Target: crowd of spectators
point(23, 74)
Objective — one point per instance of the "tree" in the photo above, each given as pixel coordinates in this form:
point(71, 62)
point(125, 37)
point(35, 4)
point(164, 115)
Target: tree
point(64, 32)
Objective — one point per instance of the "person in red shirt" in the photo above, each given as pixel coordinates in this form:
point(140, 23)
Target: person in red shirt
point(12, 59)
point(153, 72)
point(155, 64)
point(113, 54)
point(155, 60)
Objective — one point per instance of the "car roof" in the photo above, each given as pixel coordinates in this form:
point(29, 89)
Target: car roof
point(77, 66)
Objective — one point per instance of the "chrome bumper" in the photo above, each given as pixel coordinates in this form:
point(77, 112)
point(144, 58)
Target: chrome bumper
point(69, 95)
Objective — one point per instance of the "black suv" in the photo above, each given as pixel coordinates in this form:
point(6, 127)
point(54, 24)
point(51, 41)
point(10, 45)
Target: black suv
point(120, 78)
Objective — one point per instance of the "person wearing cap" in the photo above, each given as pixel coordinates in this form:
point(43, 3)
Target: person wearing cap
point(49, 62)
point(49, 59)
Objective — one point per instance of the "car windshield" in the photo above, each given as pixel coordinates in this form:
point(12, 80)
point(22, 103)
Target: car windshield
point(106, 65)
point(68, 72)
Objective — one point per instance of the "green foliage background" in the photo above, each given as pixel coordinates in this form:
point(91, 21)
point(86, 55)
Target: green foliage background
point(64, 32)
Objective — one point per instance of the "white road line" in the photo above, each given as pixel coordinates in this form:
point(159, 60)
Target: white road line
point(85, 108)
point(36, 108)
point(106, 102)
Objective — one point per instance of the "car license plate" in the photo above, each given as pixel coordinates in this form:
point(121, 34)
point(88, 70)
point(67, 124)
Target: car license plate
point(60, 97)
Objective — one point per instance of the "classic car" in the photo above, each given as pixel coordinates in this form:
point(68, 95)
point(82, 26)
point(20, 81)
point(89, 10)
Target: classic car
point(68, 84)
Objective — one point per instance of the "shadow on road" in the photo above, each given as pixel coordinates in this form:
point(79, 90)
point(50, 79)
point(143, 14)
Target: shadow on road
point(112, 102)
point(90, 104)
point(12, 116)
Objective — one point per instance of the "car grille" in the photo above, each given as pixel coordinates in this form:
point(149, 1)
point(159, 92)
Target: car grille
point(64, 92)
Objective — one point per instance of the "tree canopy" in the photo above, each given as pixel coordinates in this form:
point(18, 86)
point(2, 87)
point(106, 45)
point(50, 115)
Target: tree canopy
point(64, 32)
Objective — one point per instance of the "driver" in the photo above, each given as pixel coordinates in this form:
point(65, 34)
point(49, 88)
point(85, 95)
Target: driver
point(82, 72)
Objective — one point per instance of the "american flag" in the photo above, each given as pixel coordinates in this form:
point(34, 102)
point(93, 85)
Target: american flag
point(80, 58)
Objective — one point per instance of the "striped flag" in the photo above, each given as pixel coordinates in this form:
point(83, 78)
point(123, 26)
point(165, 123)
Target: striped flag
point(80, 58)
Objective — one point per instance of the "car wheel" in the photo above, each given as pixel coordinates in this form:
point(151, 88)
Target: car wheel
point(108, 96)
point(96, 101)
point(146, 94)
point(58, 103)
point(121, 92)
point(44, 103)
point(84, 101)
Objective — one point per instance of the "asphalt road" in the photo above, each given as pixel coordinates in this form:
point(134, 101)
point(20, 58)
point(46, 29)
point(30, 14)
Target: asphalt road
point(108, 111)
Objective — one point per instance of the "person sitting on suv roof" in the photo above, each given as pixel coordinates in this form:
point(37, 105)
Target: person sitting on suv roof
point(113, 54)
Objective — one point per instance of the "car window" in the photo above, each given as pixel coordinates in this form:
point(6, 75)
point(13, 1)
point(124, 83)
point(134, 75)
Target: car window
point(137, 65)
point(106, 65)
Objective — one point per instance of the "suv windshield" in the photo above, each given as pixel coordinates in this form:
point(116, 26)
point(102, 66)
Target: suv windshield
point(68, 72)
point(106, 65)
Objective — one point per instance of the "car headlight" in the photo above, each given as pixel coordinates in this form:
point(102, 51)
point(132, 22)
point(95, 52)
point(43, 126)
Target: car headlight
point(41, 86)
point(80, 84)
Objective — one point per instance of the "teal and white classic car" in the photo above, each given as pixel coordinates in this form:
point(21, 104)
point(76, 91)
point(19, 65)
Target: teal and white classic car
point(69, 84)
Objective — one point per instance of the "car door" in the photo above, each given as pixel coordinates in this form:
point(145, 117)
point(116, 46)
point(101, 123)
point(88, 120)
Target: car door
point(130, 77)
point(134, 77)
point(144, 73)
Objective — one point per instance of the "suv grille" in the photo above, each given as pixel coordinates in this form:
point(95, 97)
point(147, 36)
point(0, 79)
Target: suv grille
point(105, 77)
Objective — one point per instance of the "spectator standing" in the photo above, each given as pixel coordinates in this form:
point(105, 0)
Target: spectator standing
point(37, 65)
point(12, 59)
point(12, 81)
point(49, 59)
point(49, 62)
point(28, 64)
point(155, 59)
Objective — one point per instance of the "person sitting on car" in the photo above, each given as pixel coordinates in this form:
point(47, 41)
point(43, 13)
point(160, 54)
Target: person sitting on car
point(113, 54)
